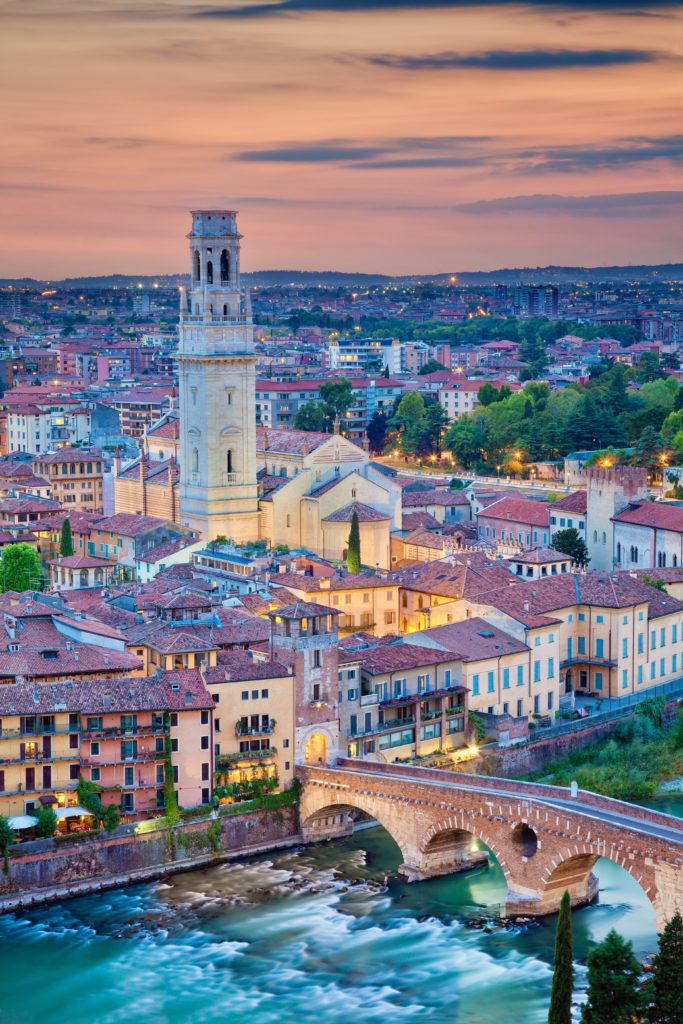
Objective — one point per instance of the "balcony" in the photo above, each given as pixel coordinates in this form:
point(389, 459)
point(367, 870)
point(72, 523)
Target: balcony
point(107, 759)
point(368, 699)
point(264, 730)
point(458, 710)
point(224, 761)
point(116, 732)
point(587, 659)
point(190, 318)
point(392, 723)
point(427, 716)
point(37, 733)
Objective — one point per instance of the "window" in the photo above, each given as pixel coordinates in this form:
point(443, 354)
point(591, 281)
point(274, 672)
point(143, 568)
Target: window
point(129, 749)
point(551, 668)
point(127, 802)
point(624, 647)
point(582, 645)
point(490, 683)
point(94, 749)
point(205, 771)
point(599, 648)
point(640, 643)
point(254, 694)
point(352, 694)
point(598, 681)
point(93, 724)
point(600, 619)
point(245, 695)
point(94, 774)
point(624, 679)
point(174, 745)
point(316, 659)
point(204, 718)
point(520, 675)
point(506, 678)
point(285, 743)
point(264, 694)
point(537, 671)
point(74, 772)
point(129, 776)
point(204, 743)
point(475, 686)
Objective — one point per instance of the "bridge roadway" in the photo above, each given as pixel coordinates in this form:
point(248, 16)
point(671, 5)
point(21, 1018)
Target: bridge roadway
point(544, 840)
point(672, 831)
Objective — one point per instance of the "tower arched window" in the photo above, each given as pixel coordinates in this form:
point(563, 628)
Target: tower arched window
point(196, 266)
point(225, 309)
point(618, 552)
point(209, 272)
point(228, 461)
point(225, 266)
point(195, 460)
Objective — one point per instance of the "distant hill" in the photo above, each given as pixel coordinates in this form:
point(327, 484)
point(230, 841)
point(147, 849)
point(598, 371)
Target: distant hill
point(335, 278)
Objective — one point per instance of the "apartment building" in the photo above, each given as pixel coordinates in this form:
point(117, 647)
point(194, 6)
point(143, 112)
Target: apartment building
point(39, 427)
point(75, 477)
point(364, 601)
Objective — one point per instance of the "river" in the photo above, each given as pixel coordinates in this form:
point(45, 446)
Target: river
point(309, 935)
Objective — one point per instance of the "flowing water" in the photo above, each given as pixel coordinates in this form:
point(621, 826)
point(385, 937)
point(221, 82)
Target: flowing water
point(322, 935)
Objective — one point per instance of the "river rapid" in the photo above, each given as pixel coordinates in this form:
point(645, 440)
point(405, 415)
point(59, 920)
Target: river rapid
point(325, 934)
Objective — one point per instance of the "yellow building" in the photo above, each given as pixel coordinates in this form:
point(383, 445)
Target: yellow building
point(364, 601)
point(253, 719)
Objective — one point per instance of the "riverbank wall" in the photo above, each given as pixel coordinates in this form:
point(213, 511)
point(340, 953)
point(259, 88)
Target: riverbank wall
point(58, 872)
point(504, 762)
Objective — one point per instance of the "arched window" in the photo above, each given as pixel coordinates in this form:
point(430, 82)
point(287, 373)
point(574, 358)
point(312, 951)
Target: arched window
point(83, 578)
point(289, 521)
point(604, 537)
point(675, 561)
point(225, 266)
point(619, 552)
point(195, 460)
point(228, 460)
point(595, 536)
point(209, 272)
point(225, 309)
point(196, 266)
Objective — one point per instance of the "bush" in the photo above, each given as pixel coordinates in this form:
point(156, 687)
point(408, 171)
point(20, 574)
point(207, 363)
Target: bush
point(111, 817)
point(47, 823)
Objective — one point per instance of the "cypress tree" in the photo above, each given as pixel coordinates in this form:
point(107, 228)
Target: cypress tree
point(66, 542)
point(665, 990)
point(614, 995)
point(353, 550)
point(560, 1011)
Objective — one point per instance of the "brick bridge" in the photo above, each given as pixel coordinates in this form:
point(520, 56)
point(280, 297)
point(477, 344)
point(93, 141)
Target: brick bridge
point(544, 841)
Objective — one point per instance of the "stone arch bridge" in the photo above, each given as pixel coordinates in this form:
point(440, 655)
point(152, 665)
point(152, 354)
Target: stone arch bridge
point(544, 840)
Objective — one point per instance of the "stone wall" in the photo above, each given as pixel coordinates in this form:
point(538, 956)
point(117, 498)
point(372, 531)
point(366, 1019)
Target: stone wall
point(69, 869)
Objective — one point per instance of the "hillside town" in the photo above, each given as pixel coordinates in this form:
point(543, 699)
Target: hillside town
point(245, 528)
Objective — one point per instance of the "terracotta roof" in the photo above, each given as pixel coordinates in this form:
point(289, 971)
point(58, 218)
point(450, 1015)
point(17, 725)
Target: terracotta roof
point(518, 510)
point(397, 657)
point(129, 524)
point(71, 455)
point(421, 520)
point(574, 502)
point(82, 562)
point(289, 442)
point(181, 690)
point(655, 514)
point(538, 556)
point(474, 640)
point(238, 666)
point(456, 579)
point(301, 610)
point(19, 505)
point(365, 514)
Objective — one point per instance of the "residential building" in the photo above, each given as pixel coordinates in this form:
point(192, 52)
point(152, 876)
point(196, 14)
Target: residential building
point(648, 535)
point(75, 477)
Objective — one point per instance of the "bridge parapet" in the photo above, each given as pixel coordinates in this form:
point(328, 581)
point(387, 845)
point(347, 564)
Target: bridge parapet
point(544, 842)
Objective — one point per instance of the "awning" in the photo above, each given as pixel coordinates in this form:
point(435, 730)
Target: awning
point(72, 812)
point(20, 821)
point(47, 799)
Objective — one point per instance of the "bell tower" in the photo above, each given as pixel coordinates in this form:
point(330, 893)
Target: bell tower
point(217, 375)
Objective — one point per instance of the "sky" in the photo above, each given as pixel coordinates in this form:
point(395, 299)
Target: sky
point(387, 136)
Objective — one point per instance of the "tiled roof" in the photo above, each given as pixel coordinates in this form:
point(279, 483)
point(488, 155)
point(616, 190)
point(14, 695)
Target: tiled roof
point(71, 455)
point(301, 610)
point(655, 514)
point(474, 639)
point(421, 520)
point(81, 561)
point(518, 510)
point(238, 666)
point(181, 690)
point(396, 657)
point(289, 442)
point(365, 514)
point(19, 505)
point(129, 524)
point(574, 502)
point(456, 579)
point(539, 556)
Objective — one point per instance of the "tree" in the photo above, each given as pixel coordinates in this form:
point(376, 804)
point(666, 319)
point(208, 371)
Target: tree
point(66, 543)
point(488, 393)
point(665, 988)
point(338, 396)
point(111, 817)
point(47, 823)
point(432, 366)
point(353, 550)
point(614, 996)
point(20, 568)
point(560, 1011)
point(570, 542)
point(311, 416)
point(377, 431)
point(6, 840)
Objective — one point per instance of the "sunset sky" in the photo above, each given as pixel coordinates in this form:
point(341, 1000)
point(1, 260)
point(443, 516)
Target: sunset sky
point(395, 137)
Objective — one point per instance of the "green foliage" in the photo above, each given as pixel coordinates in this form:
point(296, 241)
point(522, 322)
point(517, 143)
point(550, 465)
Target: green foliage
point(570, 542)
point(66, 541)
point(560, 1011)
point(20, 568)
point(353, 561)
point(639, 755)
point(477, 727)
point(338, 396)
point(311, 416)
point(6, 840)
point(89, 797)
point(652, 582)
point(665, 988)
point(281, 549)
point(432, 366)
point(47, 823)
point(214, 834)
point(170, 800)
point(614, 995)
point(377, 431)
point(111, 817)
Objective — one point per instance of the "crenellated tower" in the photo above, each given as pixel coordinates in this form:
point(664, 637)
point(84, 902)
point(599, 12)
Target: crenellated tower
point(217, 376)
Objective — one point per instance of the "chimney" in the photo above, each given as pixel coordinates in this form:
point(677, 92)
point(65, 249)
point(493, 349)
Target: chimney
point(526, 606)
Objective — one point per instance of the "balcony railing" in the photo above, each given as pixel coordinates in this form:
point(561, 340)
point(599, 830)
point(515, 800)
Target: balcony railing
point(264, 730)
point(458, 710)
point(116, 732)
point(226, 760)
point(426, 716)
point(368, 699)
point(587, 659)
point(107, 759)
point(39, 757)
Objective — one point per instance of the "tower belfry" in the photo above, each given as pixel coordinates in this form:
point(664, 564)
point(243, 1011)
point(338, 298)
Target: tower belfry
point(217, 386)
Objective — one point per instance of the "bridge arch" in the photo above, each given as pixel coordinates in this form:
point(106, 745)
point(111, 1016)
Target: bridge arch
point(447, 845)
point(326, 815)
point(573, 868)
